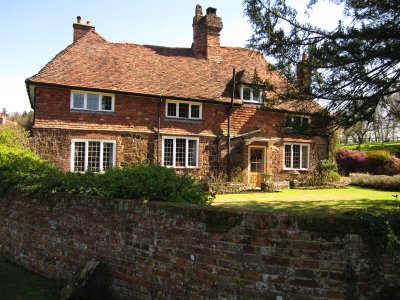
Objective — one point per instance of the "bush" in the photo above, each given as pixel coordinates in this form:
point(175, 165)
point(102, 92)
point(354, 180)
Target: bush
point(377, 161)
point(325, 173)
point(14, 136)
point(350, 161)
point(25, 171)
point(381, 182)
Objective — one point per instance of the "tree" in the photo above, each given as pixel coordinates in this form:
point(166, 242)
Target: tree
point(353, 67)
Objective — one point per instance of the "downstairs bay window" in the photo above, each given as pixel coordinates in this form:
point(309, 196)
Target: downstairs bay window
point(296, 156)
point(92, 155)
point(180, 152)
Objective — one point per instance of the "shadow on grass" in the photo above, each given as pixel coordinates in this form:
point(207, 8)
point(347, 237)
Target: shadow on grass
point(19, 283)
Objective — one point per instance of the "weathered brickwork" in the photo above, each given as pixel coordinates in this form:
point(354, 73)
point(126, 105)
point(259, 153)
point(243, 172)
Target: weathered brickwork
point(134, 125)
point(167, 251)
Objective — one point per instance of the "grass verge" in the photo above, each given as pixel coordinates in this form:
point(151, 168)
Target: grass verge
point(314, 202)
point(19, 283)
point(388, 146)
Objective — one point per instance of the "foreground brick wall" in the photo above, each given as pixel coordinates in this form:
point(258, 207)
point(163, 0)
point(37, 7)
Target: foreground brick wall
point(170, 251)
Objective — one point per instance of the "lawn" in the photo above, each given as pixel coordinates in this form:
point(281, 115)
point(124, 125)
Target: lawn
point(388, 146)
point(313, 202)
point(18, 283)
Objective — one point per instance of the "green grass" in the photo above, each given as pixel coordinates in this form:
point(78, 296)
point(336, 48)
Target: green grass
point(388, 146)
point(313, 202)
point(18, 283)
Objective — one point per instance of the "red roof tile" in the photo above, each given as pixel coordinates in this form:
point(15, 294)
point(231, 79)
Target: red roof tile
point(94, 63)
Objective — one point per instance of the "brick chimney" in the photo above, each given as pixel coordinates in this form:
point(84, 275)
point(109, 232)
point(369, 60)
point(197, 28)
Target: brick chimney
point(304, 74)
point(206, 31)
point(81, 29)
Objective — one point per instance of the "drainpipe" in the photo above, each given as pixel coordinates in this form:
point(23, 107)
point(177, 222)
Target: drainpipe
point(158, 130)
point(228, 166)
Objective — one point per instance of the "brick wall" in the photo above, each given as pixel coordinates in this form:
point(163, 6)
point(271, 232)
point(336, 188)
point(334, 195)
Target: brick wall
point(167, 251)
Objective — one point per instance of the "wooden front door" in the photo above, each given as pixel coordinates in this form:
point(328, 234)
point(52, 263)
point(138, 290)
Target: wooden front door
point(256, 165)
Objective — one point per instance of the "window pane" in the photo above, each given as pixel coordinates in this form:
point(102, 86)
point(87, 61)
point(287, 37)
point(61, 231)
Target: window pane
point(79, 157)
point(257, 95)
point(108, 152)
point(180, 153)
point(78, 101)
point(171, 109)
point(297, 121)
point(106, 103)
point(246, 93)
point(93, 101)
point(94, 156)
point(183, 110)
point(168, 152)
point(304, 157)
point(306, 123)
point(288, 154)
point(296, 156)
point(192, 153)
point(256, 160)
point(288, 122)
point(195, 111)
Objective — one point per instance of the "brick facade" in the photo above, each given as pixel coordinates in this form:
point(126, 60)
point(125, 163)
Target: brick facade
point(134, 127)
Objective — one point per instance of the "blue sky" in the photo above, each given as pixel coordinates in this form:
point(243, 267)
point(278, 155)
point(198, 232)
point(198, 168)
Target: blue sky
point(33, 32)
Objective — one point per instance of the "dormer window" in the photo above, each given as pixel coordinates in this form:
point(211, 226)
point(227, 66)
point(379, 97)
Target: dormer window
point(297, 122)
point(250, 94)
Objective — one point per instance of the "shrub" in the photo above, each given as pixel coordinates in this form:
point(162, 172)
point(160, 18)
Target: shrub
point(14, 136)
point(381, 182)
point(25, 171)
point(377, 161)
point(350, 161)
point(323, 174)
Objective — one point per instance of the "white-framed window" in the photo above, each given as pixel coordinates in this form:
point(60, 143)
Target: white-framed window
point(250, 94)
point(296, 156)
point(297, 121)
point(92, 155)
point(183, 109)
point(81, 100)
point(180, 152)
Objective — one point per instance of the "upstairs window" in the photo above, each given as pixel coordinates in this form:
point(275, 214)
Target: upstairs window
point(92, 155)
point(297, 122)
point(185, 110)
point(250, 94)
point(92, 101)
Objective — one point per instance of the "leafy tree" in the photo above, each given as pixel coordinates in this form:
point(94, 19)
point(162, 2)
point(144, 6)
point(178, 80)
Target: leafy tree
point(353, 67)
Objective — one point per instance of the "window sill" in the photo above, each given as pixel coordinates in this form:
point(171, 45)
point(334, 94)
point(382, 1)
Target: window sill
point(183, 119)
point(76, 110)
point(298, 170)
point(251, 102)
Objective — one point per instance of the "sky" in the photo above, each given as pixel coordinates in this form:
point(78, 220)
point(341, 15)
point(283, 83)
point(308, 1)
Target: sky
point(33, 32)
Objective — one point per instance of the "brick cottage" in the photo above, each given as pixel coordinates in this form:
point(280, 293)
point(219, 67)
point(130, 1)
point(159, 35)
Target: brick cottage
point(100, 104)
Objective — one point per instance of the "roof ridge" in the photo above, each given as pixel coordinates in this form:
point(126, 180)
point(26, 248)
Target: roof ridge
point(65, 50)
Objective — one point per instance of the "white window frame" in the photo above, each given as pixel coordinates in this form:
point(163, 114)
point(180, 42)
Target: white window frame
point(186, 154)
point(177, 102)
point(292, 116)
point(291, 156)
point(251, 94)
point(85, 96)
point(86, 141)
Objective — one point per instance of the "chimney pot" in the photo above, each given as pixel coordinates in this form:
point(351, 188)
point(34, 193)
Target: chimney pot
point(78, 19)
point(211, 11)
point(87, 22)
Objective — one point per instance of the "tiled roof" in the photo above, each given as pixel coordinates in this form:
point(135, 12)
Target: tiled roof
point(93, 62)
